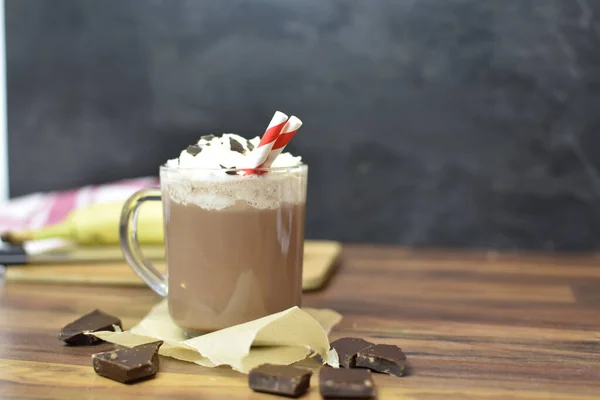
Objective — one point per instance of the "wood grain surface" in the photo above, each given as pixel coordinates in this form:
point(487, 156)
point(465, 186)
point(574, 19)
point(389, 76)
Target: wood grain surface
point(474, 325)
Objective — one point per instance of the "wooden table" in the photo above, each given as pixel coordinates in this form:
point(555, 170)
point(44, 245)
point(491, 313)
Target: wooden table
point(475, 325)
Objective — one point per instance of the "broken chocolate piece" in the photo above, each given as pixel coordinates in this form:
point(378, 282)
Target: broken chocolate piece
point(193, 149)
point(283, 380)
point(346, 383)
point(385, 358)
point(249, 145)
point(347, 348)
point(75, 332)
point(207, 137)
point(236, 146)
point(128, 365)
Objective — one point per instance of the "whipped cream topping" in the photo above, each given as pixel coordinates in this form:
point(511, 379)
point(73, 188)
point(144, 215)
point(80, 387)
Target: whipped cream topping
point(224, 152)
point(201, 176)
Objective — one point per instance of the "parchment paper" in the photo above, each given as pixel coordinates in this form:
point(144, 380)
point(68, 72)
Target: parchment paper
point(282, 338)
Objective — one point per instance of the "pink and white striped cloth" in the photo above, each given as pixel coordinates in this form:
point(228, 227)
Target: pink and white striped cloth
point(40, 209)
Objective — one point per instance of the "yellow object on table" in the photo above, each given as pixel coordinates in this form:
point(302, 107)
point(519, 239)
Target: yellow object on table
point(97, 224)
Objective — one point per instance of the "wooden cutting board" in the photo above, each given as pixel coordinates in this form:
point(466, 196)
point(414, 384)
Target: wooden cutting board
point(320, 259)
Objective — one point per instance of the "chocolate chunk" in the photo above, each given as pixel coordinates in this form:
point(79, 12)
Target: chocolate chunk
point(75, 332)
point(249, 145)
point(384, 358)
point(193, 149)
point(346, 383)
point(128, 365)
point(347, 348)
point(207, 137)
point(236, 146)
point(283, 380)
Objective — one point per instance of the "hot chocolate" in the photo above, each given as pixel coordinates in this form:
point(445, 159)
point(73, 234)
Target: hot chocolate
point(234, 241)
point(228, 264)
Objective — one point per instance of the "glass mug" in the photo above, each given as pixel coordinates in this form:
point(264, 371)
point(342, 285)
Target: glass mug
point(233, 244)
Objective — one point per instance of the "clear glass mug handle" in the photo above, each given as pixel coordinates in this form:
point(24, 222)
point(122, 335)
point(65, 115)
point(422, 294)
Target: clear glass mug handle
point(129, 241)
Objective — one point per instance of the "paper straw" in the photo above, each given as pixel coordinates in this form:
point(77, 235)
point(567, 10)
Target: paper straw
point(260, 153)
point(287, 133)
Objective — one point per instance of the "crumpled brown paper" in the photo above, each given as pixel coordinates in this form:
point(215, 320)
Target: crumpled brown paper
point(282, 338)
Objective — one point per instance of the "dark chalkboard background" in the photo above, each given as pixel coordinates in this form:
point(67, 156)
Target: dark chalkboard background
point(427, 122)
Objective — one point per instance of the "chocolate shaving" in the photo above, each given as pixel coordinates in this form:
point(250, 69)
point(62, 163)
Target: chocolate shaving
point(249, 145)
point(207, 137)
point(230, 170)
point(193, 149)
point(236, 146)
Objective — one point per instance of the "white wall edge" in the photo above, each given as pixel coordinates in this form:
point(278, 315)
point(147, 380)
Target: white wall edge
point(3, 129)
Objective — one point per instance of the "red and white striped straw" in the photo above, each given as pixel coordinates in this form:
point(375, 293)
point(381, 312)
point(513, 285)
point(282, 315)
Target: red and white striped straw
point(287, 133)
point(260, 152)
